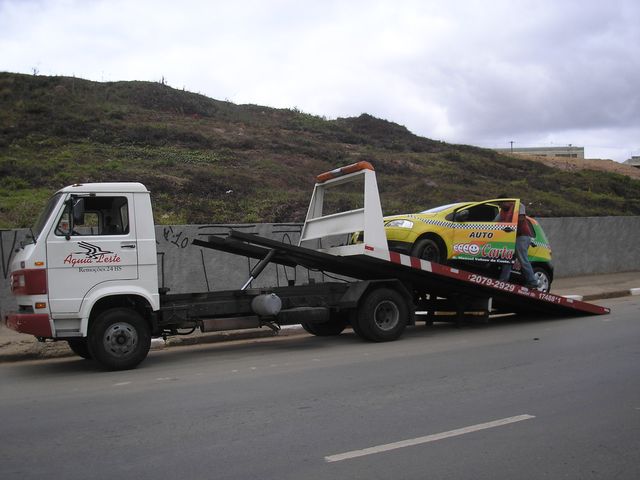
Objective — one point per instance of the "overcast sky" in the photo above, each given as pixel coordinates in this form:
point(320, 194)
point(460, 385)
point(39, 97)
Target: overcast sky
point(535, 72)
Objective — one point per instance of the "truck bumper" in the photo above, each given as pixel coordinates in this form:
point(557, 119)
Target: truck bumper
point(36, 324)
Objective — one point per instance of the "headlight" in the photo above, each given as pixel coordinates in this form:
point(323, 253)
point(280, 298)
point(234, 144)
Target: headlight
point(399, 223)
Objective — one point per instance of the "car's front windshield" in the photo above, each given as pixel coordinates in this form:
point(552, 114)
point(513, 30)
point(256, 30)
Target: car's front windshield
point(441, 208)
point(44, 216)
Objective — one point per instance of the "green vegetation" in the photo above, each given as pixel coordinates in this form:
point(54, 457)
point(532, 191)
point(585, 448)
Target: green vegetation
point(209, 161)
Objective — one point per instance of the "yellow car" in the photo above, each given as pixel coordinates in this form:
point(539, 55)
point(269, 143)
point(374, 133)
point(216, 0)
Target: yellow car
point(470, 235)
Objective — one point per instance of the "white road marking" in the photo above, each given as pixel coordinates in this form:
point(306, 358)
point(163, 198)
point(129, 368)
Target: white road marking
point(426, 439)
point(574, 297)
point(120, 384)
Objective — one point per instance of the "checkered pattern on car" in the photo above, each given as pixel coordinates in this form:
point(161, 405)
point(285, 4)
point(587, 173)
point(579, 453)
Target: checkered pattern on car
point(540, 244)
point(465, 226)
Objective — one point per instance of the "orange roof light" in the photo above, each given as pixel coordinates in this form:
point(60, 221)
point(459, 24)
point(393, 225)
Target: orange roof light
point(338, 172)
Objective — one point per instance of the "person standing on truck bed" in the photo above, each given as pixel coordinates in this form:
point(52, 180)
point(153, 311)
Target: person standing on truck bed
point(523, 241)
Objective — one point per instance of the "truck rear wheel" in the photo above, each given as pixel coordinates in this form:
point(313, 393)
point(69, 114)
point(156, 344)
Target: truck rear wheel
point(382, 315)
point(333, 327)
point(119, 339)
point(79, 347)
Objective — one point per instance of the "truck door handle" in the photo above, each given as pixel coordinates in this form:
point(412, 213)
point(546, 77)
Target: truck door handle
point(508, 229)
point(127, 245)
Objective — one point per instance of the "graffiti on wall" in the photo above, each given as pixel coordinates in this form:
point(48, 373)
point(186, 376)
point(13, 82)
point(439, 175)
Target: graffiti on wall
point(200, 267)
point(175, 237)
point(287, 233)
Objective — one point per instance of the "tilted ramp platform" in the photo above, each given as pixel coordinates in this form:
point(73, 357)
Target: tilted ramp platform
point(373, 263)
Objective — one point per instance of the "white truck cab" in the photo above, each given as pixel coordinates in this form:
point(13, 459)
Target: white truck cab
point(92, 242)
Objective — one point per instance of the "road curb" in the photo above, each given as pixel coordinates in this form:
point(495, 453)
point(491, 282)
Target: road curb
point(613, 294)
point(59, 349)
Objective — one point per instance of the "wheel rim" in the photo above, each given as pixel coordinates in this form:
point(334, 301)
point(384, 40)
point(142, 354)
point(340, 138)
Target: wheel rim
point(386, 315)
point(430, 253)
point(543, 281)
point(120, 339)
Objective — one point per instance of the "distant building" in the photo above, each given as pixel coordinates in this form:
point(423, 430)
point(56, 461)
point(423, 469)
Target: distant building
point(570, 151)
point(634, 161)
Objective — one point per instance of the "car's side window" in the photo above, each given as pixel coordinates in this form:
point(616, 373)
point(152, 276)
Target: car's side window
point(484, 212)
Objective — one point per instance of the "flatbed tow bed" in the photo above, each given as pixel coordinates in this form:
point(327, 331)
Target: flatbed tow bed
point(382, 291)
point(430, 285)
point(425, 277)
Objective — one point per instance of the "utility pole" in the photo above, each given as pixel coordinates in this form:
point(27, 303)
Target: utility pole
point(511, 142)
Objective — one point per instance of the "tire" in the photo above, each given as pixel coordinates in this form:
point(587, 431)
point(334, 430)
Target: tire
point(543, 277)
point(428, 249)
point(80, 347)
point(353, 321)
point(333, 327)
point(119, 339)
point(382, 315)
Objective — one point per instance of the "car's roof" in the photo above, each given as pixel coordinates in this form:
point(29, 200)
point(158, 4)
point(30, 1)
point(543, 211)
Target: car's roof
point(443, 207)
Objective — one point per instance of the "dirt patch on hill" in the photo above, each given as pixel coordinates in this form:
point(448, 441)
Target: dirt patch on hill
point(574, 164)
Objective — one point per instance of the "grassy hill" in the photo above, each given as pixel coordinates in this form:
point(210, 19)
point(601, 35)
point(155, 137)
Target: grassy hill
point(210, 161)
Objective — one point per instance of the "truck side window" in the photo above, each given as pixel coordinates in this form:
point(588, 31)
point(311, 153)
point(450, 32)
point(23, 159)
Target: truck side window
point(102, 216)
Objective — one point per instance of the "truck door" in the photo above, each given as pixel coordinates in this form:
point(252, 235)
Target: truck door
point(481, 235)
point(99, 247)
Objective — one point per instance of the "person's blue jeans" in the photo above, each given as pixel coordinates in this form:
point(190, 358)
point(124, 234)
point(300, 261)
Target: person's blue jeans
point(522, 248)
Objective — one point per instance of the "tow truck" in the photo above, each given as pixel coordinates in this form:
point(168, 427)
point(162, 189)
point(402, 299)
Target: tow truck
point(90, 277)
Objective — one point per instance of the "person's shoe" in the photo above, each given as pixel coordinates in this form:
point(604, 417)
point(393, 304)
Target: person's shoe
point(531, 285)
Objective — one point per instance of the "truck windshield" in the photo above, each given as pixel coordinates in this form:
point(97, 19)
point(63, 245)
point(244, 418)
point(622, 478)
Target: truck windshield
point(44, 216)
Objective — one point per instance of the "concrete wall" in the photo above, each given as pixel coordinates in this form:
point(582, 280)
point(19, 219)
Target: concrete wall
point(592, 245)
point(581, 246)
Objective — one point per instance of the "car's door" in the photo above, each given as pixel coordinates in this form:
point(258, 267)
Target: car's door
point(482, 234)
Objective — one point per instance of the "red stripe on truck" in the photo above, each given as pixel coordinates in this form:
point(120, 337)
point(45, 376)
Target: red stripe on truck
point(33, 323)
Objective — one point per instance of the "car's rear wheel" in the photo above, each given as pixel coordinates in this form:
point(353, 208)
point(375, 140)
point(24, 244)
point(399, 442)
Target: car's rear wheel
point(543, 278)
point(428, 249)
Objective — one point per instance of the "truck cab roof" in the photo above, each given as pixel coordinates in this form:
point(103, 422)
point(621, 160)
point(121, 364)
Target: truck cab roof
point(106, 187)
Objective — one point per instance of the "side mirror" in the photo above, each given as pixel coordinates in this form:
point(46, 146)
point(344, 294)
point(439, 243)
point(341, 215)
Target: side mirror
point(77, 210)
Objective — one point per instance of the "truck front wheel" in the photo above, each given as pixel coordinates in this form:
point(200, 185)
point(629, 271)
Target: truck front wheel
point(119, 339)
point(382, 315)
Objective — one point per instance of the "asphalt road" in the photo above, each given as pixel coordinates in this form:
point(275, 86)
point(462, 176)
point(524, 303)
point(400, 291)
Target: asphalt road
point(517, 399)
